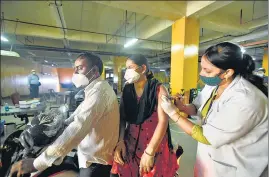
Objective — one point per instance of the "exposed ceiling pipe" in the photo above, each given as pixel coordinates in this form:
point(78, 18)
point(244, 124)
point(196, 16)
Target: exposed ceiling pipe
point(247, 37)
point(95, 37)
point(54, 49)
point(255, 43)
point(256, 35)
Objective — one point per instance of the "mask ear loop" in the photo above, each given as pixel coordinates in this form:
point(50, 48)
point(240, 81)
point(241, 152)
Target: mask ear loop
point(224, 72)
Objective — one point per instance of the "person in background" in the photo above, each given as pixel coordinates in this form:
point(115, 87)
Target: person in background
point(93, 128)
point(233, 106)
point(33, 84)
point(145, 146)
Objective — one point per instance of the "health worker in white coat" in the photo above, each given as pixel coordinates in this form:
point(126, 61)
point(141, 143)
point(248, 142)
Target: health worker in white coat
point(233, 135)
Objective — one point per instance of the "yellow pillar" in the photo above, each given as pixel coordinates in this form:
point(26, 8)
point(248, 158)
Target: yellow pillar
point(119, 63)
point(103, 76)
point(184, 56)
point(265, 61)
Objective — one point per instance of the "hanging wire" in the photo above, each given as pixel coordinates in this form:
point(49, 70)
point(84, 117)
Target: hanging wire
point(135, 25)
point(241, 16)
point(2, 23)
point(253, 9)
point(16, 25)
point(126, 13)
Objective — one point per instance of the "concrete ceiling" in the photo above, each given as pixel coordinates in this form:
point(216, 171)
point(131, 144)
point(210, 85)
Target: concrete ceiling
point(58, 30)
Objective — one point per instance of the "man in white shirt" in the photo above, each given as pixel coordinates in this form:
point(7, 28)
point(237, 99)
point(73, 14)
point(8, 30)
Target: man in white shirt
point(93, 128)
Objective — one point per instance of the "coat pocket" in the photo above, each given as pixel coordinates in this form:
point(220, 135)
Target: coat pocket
point(223, 169)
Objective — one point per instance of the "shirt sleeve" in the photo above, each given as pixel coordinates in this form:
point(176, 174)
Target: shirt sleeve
point(71, 118)
point(91, 110)
point(197, 134)
point(233, 120)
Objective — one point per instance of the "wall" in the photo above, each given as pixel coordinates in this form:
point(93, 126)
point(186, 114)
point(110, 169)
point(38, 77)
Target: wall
point(161, 76)
point(65, 76)
point(14, 73)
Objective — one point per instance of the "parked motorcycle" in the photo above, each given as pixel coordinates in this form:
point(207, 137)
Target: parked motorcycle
point(31, 142)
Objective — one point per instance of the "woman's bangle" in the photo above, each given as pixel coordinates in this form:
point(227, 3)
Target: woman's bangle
point(177, 119)
point(149, 154)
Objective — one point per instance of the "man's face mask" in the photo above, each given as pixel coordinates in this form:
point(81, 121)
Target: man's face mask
point(212, 81)
point(80, 80)
point(131, 76)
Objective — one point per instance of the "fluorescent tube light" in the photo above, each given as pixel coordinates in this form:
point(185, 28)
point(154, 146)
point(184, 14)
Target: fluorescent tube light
point(4, 39)
point(9, 53)
point(131, 42)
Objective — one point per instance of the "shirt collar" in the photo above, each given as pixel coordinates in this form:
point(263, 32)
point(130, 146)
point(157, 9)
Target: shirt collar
point(234, 82)
point(91, 85)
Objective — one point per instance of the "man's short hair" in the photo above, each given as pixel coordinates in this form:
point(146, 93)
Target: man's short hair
point(92, 60)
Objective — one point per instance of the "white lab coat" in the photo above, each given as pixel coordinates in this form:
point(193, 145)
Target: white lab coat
point(237, 128)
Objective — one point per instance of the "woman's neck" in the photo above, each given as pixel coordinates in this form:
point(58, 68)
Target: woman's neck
point(222, 87)
point(139, 87)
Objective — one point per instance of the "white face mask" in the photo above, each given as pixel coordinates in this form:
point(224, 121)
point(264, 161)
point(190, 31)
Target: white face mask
point(131, 76)
point(81, 80)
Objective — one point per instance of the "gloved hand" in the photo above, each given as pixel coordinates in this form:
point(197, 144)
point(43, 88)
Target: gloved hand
point(168, 107)
point(179, 102)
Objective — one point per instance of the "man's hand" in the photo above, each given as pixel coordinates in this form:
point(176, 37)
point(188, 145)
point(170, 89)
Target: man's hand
point(22, 167)
point(120, 153)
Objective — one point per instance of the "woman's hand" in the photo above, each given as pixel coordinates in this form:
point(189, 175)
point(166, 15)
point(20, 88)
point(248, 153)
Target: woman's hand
point(179, 102)
point(120, 153)
point(168, 107)
point(146, 163)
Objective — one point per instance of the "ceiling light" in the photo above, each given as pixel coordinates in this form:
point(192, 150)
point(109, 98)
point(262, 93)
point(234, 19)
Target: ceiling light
point(253, 58)
point(176, 47)
point(52, 65)
point(4, 39)
point(9, 53)
point(46, 61)
point(131, 42)
point(191, 50)
point(162, 69)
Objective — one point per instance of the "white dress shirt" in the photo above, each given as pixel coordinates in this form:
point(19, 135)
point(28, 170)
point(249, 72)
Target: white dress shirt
point(93, 128)
point(237, 128)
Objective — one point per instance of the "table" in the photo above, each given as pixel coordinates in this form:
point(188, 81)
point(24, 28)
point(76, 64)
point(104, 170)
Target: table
point(23, 113)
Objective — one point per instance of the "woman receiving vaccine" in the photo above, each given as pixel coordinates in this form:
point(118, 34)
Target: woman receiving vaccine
point(145, 147)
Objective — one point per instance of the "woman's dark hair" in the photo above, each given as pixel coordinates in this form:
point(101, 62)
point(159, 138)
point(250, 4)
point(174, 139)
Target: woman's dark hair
point(92, 60)
point(227, 55)
point(142, 60)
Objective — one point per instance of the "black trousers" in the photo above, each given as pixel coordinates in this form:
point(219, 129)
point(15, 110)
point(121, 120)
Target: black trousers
point(34, 91)
point(95, 170)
